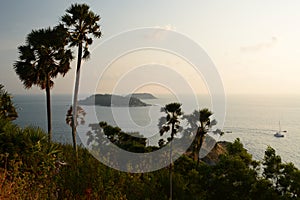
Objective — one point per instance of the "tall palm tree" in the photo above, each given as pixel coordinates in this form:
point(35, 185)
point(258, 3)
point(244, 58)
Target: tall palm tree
point(174, 113)
point(41, 59)
point(200, 121)
point(82, 25)
point(7, 108)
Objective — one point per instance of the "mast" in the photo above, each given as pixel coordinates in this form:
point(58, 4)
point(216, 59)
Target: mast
point(279, 127)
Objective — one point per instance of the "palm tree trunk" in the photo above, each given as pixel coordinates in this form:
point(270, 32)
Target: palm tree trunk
point(195, 145)
point(170, 172)
point(75, 97)
point(48, 111)
point(195, 154)
point(199, 147)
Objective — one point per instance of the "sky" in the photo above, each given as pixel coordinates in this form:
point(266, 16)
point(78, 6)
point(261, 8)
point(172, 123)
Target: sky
point(253, 44)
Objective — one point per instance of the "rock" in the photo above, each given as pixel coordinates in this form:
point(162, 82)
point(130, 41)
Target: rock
point(212, 158)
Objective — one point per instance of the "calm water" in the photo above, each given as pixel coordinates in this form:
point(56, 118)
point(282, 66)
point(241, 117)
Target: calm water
point(254, 119)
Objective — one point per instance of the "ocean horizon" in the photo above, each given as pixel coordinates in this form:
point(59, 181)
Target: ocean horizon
point(252, 118)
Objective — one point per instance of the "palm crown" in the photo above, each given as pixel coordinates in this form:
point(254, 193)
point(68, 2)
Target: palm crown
point(43, 57)
point(81, 23)
point(174, 113)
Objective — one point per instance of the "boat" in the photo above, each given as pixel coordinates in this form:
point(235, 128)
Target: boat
point(279, 133)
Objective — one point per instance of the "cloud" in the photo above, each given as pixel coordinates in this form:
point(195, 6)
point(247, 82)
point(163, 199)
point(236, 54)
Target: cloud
point(161, 32)
point(260, 46)
point(168, 27)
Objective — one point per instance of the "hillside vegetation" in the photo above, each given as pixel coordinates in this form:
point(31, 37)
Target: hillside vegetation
point(29, 163)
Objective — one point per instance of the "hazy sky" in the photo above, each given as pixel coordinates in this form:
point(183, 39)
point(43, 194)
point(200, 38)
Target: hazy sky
point(254, 44)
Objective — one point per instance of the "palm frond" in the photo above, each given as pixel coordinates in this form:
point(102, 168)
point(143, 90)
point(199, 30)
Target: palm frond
point(80, 116)
point(43, 57)
point(81, 22)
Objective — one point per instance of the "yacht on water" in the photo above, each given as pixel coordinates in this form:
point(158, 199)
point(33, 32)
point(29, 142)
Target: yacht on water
point(279, 133)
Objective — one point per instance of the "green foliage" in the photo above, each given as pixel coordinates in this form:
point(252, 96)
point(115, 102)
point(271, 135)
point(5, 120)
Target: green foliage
point(199, 124)
point(82, 23)
point(80, 116)
point(172, 120)
point(43, 57)
point(28, 163)
point(237, 149)
point(7, 108)
point(50, 171)
point(272, 163)
point(133, 142)
point(285, 177)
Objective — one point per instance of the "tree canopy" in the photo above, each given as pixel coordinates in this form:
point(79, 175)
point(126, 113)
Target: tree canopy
point(7, 108)
point(43, 58)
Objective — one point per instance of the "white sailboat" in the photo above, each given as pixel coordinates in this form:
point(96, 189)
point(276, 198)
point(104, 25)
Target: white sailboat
point(279, 133)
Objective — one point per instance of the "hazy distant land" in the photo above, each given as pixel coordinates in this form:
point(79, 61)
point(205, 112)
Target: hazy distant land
point(109, 100)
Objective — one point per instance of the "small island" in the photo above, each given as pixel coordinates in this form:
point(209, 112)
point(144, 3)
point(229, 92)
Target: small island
point(112, 100)
point(142, 95)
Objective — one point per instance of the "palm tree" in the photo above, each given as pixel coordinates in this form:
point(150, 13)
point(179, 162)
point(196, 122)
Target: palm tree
point(174, 113)
point(200, 121)
point(80, 115)
point(7, 108)
point(82, 25)
point(41, 59)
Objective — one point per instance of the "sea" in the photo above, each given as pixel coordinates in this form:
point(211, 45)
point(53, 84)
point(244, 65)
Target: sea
point(252, 118)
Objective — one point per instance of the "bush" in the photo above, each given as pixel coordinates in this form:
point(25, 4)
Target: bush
point(49, 171)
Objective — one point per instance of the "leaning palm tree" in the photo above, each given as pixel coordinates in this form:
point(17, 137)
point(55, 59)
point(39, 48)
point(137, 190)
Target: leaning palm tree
point(81, 23)
point(172, 121)
point(201, 122)
point(41, 59)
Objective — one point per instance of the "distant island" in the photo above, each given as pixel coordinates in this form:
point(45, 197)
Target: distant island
point(142, 95)
point(113, 100)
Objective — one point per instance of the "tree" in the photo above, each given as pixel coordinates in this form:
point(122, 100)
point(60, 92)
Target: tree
point(272, 166)
point(80, 115)
point(201, 122)
point(171, 121)
point(174, 113)
point(7, 108)
point(41, 59)
point(285, 177)
point(133, 141)
point(81, 24)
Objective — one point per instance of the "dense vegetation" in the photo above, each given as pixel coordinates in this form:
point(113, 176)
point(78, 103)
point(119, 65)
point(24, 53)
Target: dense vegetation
point(7, 108)
point(29, 163)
